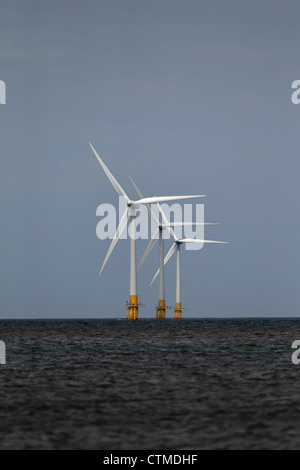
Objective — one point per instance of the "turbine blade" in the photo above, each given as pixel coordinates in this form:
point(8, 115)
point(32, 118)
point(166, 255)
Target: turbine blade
point(152, 200)
point(136, 188)
point(179, 224)
point(155, 276)
point(166, 221)
point(111, 178)
point(148, 249)
point(167, 257)
point(150, 211)
point(196, 240)
point(170, 253)
point(118, 233)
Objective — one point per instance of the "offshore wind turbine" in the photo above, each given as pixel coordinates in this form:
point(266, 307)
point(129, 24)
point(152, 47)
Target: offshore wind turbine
point(161, 307)
point(130, 213)
point(176, 246)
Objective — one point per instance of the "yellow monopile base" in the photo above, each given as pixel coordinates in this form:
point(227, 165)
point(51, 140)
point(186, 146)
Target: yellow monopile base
point(161, 309)
point(178, 310)
point(132, 308)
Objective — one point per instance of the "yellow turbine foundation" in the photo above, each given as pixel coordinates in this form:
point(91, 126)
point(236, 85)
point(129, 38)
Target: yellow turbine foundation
point(178, 310)
point(132, 308)
point(161, 309)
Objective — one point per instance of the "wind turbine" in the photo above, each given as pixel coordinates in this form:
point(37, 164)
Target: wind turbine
point(130, 213)
point(161, 308)
point(176, 246)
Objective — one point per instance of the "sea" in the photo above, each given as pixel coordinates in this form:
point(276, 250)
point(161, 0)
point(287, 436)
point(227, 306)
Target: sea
point(112, 384)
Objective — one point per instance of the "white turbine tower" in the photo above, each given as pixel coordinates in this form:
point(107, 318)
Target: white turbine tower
point(161, 307)
point(130, 213)
point(176, 246)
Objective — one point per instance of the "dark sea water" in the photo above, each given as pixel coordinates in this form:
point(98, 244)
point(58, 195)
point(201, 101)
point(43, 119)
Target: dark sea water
point(150, 384)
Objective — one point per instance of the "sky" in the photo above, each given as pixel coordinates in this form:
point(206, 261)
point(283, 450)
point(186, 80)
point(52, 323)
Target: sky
point(188, 97)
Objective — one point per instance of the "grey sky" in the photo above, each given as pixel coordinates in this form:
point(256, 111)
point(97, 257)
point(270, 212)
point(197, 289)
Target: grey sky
point(186, 96)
